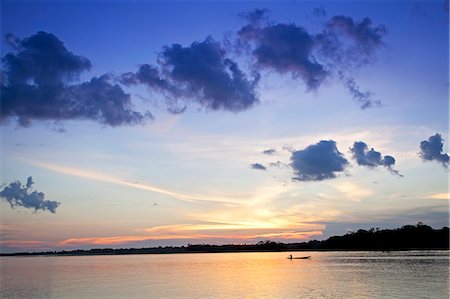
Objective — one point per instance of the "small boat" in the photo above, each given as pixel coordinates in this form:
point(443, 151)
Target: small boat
point(298, 257)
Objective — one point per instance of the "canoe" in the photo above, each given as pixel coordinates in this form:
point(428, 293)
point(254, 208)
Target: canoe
point(299, 258)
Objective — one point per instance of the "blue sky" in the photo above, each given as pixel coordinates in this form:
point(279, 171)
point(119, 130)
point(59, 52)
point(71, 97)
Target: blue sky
point(245, 77)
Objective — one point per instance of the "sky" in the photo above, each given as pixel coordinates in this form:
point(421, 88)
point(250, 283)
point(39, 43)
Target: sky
point(145, 123)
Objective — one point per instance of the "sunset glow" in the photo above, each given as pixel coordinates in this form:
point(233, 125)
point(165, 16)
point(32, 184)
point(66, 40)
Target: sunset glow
point(225, 123)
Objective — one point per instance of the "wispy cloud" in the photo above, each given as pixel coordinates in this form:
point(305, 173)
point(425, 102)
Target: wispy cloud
point(445, 196)
point(114, 240)
point(98, 176)
point(28, 244)
point(223, 232)
point(353, 191)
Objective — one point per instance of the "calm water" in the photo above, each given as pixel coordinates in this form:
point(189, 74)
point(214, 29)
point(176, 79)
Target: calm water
point(411, 274)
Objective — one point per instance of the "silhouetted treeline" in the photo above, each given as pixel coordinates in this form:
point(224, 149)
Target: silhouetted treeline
point(418, 236)
point(408, 237)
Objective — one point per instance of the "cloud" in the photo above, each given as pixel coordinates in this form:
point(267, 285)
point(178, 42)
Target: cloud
point(318, 162)
point(270, 151)
point(439, 196)
point(257, 166)
point(432, 149)
point(345, 45)
point(148, 74)
point(20, 195)
point(363, 98)
point(104, 177)
point(39, 79)
point(36, 86)
point(284, 48)
point(188, 232)
point(340, 47)
point(101, 101)
point(201, 72)
point(371, 158)
point(352, 192)
point(215, 81)
point(365, 36)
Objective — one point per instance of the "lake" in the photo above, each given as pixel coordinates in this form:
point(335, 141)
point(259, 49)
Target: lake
point(405, 274)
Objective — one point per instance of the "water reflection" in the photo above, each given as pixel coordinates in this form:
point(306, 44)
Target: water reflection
point(229, 275)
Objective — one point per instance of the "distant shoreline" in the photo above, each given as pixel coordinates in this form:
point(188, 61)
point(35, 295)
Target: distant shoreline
point(418, 237)
point(59, 254)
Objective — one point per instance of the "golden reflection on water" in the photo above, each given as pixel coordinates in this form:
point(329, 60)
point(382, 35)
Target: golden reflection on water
point(229, 275)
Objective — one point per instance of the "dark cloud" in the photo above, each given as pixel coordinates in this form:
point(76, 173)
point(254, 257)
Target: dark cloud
point(344, 46)
point(207, 75)
point(270, 151)
point(432, 149)
point(364, 98)
point(18, 195)
point(104, 102)
point(284, 48)
point(148, 75)
point(42, 60)
point(371, 158)
point(318, 162)
point(39, 78)
point(364, 34)
point(36, 86)
point(257, 166)
point(200, 72)
point(341, 47)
